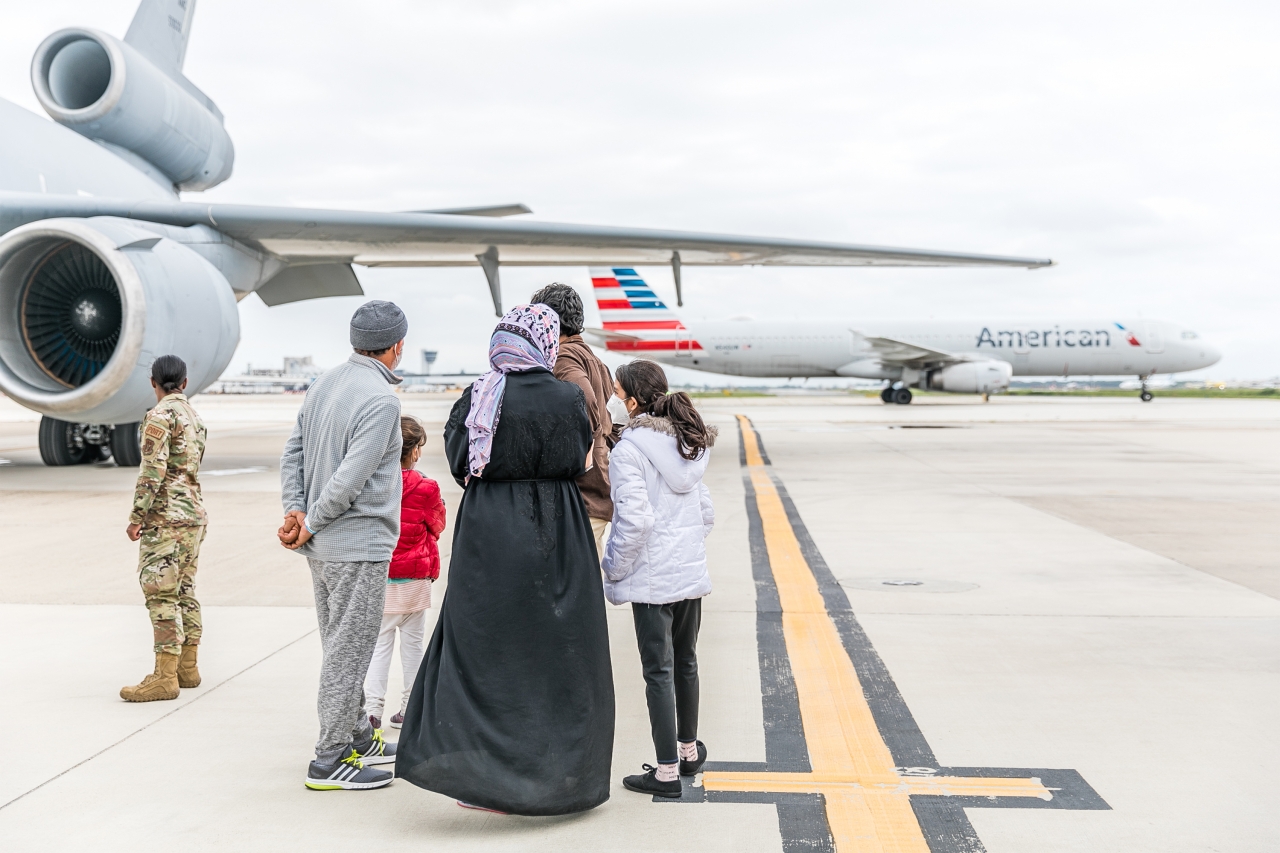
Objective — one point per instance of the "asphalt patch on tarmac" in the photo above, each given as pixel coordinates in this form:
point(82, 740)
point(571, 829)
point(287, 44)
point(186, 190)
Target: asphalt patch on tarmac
point(906, 584)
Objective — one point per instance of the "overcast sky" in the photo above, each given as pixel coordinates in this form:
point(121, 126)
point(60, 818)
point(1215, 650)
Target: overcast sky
point(1137, 143)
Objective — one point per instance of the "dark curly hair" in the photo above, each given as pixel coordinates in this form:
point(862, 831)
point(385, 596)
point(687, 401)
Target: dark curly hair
point(647, 384)
point(565, 301)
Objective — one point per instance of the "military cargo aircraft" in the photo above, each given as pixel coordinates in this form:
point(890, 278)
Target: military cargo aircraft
point(104, 266)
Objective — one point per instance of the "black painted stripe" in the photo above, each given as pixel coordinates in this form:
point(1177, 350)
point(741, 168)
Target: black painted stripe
point(802, 817)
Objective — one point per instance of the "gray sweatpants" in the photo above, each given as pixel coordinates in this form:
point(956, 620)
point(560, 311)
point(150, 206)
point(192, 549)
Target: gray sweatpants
point(349, 599)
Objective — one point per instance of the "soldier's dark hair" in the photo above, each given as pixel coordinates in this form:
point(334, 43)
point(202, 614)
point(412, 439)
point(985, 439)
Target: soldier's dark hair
point(647, 384)
point(413, 434)
point(169, 372)
point(565, 301)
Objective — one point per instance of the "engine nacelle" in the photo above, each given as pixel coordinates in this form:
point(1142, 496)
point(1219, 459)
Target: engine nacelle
point(104, 89)
point(973, 377)
point(86, 305)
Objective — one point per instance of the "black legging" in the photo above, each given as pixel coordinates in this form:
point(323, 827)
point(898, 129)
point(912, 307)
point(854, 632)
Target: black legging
point(667, 635)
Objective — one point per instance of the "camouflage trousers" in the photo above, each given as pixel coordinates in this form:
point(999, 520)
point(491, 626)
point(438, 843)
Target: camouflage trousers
point(167, 573)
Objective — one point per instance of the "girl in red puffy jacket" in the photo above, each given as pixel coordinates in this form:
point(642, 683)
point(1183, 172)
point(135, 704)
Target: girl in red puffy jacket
point(414, 565)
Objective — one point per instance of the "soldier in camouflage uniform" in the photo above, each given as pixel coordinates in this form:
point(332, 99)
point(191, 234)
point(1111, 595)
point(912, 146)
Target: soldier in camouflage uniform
point(169, 518)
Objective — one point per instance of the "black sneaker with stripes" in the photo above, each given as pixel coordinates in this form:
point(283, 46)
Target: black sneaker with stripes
point(378, 751)
point(349, 774)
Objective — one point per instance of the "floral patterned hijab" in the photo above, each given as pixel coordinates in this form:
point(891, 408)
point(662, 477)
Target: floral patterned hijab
point(527, 337)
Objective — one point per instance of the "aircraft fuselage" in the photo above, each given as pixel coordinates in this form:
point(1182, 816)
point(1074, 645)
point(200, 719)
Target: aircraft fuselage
point(1032, 348)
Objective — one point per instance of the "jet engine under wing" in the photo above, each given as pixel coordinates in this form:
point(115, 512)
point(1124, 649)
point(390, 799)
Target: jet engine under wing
point(896, 352)
point(424, 239)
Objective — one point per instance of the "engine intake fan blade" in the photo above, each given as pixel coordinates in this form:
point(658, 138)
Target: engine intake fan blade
point(71, 314)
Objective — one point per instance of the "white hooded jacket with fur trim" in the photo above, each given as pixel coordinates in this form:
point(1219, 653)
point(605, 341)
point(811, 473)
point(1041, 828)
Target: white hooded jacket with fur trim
point(662, 514)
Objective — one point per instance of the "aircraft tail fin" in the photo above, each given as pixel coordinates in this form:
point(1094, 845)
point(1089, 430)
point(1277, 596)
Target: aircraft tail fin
point(633, 317)
point(160, 30)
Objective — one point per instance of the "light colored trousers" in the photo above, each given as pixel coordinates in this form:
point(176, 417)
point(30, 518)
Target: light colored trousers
point(598, 528)
point(411, 627)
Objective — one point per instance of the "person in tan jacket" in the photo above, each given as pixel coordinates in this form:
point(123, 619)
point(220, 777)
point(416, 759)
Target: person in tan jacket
point(579, 365)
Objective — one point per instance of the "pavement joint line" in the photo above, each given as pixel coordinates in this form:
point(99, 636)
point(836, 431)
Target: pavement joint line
point(181, 707)
point(1018, 500)
point(1233, 617)
point(1115, 538)
point(847, 767)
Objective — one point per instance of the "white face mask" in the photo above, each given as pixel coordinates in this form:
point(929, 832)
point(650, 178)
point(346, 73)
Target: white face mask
point(618, 410)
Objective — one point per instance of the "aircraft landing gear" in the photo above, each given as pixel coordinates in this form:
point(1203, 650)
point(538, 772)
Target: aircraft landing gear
point(63, 443)
point(896, 393)
point(126, 445)
point(1146, 396)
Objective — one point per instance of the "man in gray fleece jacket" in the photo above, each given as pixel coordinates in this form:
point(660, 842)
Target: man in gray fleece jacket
point(340, 485)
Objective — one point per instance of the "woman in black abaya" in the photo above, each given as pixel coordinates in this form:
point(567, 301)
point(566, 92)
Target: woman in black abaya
point(513, 707)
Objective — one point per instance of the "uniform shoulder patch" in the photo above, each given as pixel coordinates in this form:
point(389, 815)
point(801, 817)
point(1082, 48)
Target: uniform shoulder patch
point(154, 431)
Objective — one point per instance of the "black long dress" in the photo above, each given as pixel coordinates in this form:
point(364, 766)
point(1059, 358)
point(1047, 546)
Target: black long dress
point(513, 706)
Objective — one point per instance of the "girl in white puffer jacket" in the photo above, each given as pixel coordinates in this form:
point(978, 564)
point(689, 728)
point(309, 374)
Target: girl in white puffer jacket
point(656, 559)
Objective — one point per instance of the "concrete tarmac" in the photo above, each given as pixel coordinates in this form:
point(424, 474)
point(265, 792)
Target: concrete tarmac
point(1034, 624)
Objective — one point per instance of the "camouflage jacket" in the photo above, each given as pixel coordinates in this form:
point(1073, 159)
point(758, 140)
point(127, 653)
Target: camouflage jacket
point(168, 491)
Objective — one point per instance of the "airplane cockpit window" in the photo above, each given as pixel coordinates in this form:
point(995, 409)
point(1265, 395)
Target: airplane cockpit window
point(1188, 335)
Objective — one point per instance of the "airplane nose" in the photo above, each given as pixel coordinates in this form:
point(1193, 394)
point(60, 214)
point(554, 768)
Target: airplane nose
point(1210, 354)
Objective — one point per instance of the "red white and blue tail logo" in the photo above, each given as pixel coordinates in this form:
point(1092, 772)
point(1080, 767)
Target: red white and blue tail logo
point(634, 318)
point(1129, 336)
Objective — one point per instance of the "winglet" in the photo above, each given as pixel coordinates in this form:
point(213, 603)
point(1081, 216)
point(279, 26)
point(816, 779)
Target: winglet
point(160, 30)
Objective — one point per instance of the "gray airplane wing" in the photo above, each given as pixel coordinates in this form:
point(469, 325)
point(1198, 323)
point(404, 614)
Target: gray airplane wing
point(891, 351)
point(312, 236)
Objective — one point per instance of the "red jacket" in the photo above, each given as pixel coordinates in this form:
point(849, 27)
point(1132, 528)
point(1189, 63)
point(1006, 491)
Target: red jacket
point(421, 523)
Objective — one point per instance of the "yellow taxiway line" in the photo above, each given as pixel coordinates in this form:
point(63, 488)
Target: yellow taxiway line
point(868, 803)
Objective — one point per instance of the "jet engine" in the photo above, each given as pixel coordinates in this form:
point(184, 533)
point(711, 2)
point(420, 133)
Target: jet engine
point(973, 377)
point(86, 305)
point(104, 89)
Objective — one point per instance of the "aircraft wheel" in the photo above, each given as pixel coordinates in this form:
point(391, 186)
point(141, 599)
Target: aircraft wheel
point(126, 446)
point(62, 444)
point(887, 395)
point(1146, 396)
point(902, 396)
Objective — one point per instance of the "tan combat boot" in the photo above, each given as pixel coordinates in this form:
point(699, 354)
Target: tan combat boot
point(188, 674)
point(161, 684)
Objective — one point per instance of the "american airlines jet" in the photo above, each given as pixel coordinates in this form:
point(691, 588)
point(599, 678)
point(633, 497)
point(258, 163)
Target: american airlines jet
point(978, 357)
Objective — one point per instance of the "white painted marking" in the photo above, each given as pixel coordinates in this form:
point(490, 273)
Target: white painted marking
point(229, 472)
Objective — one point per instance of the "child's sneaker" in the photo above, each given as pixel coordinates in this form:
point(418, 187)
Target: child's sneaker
point(648, 783)
point(378, 751)
point(349, 774)
point(397, 720)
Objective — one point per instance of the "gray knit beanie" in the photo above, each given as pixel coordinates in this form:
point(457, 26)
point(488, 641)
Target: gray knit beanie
point(377, 325)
